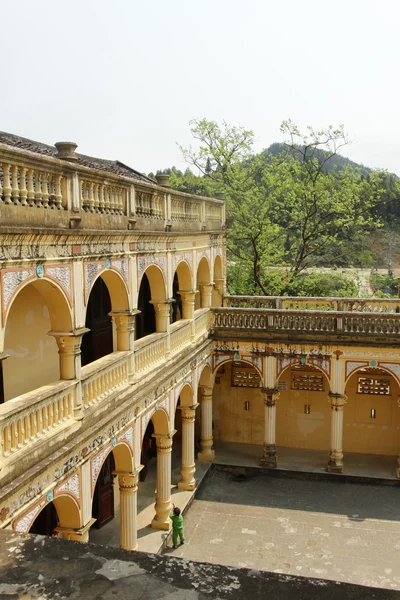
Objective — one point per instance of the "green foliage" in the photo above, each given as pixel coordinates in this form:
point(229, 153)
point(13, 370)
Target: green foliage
point(323, 284)
point(384, 286)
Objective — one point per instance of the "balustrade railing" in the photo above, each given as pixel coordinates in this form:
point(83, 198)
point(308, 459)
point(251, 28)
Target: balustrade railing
point(150, 351)
point(102, 198)
point(301, 321)
point(149, 205)
point(179, 335)
point(26, 419)
point(183, 209)
point(214, 212)
point(104, 376)
point(32, 187)
point(201, 322)
point(370, 305)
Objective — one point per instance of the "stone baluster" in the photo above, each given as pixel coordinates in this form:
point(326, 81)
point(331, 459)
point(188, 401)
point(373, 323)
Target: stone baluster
point(107, 199)
point(15, 186)
point(128, 485)
point(91, 197)
point(96, 197)
point(23, 192)
point(6, 184)
point(268, 458)
point(58, 193)
point(188, 467)
point(31, 189)
point(335, 463)
point(38, 189)
point(102, 198)
point(206, 454)
point(162, 506)
point(45, 190)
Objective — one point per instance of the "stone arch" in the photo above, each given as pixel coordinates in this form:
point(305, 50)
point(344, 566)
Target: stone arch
point(218, 274)
point(160, 422)
point(371, 414)
point(55, 299)
point(182, 282)
point(123, 458)
point(38, 308)
point(116, 286)
point(186, 395)
point(303, 413)
point(185, 276)
point(68, 513)
point(157, 282)
point(218, 278)
point(203, 275)
point(205, 375)
point(241, 359)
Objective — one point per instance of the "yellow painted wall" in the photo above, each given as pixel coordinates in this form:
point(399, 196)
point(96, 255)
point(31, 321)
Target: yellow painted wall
point(371, 436)
point(33, 360)
point(294, 428)
point(232, 423)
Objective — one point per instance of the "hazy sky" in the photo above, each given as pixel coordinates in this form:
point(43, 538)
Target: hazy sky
point(122, 79)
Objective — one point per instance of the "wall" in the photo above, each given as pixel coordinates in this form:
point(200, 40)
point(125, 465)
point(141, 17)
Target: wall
point(33, 360)
point(231, 422)
point(294, 428)
point(372, 436)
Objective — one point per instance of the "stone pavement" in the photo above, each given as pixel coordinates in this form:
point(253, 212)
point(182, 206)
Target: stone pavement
point(48, 568)
point(332, 530)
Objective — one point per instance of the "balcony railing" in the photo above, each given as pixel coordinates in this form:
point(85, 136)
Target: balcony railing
point(201, 323)
point(28, 418)
point(335, 323)
point(180, 335)
point(104, 376)
point(150, 351)
point(80, 195)
point(374, 305)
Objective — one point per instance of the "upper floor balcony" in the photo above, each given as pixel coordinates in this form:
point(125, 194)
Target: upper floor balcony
point(355, 321)
point(53, 187)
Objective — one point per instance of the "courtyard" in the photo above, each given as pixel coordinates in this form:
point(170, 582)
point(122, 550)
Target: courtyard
point(335, 530)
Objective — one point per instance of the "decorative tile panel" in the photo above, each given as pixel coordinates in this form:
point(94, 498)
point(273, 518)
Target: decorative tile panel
point(353, 366)
point(121, 266)
point(11, 280)
point(92, 269)
point(392, 367)
point(23, 525)
point(284, 362)
point(97, 463)
point(201, 254)
point(127, 437)
point(146, 261)
point(62, 274)
point(178, 257)
point(71, 486)
point(322, 363)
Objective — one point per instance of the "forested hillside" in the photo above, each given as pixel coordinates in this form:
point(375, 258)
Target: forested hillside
point(298, 205)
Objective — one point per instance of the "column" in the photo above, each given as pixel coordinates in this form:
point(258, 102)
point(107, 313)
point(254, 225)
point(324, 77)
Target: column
point(205, 294)
point(188, 468)
point(268, 458)
point(163, 505)
point(219, 286)
point(335, 463)
point(128, 485)
point(162, 310)
point(188, 298)
point(69, 351)
point(3, 356)
point(207, 454)
point(125, 324)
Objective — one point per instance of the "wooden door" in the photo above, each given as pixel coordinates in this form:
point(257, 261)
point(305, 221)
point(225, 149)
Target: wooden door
point(103, 499)
point(98, 341)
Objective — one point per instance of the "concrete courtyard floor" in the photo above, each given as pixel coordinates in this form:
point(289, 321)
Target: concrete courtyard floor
point(325, 529)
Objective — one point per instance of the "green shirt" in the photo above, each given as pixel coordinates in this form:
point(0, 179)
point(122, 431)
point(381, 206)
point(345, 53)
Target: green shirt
point(177, 521)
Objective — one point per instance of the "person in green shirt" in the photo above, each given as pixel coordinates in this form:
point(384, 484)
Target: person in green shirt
point(177, 526)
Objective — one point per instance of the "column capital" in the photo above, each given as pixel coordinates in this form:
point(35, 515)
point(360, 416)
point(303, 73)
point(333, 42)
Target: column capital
point(68, 338)
point(124, 314)
point(272, 395)
point(188, 295)
point(206, 392)
point(3, 356)
point(337, 401)
point(80, 534)
point(188, 413)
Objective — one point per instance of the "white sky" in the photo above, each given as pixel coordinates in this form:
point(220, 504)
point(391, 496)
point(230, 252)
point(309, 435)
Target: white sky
point(122, 79)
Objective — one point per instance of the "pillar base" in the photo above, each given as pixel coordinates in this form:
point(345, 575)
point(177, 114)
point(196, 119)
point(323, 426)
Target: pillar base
point(187, 486)
point(269, 458)
point(206, 456)
point(164, 525)
point(334, 468)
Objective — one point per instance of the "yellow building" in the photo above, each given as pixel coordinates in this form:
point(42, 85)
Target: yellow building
point(114, 315)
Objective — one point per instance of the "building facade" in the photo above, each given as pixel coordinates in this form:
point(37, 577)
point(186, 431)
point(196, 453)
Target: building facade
point(116, 331)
